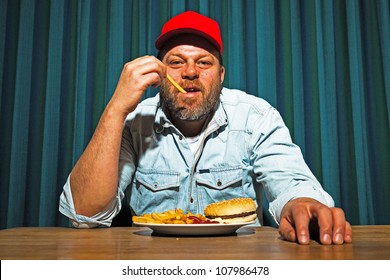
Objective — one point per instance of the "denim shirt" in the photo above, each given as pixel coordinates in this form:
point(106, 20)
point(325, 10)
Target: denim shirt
point(245, 149)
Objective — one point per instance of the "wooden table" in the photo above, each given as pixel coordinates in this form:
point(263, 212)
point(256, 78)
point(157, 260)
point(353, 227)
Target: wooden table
point(138, 243)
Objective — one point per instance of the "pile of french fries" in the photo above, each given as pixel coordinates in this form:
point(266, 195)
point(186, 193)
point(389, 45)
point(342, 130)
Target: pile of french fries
point(176, 216)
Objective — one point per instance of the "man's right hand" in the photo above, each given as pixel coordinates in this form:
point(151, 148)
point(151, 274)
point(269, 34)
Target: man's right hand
point(135, 78)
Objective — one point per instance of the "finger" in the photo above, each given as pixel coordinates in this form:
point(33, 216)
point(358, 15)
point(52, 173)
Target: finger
point(301, 220)
point(138, 68)
point(341, 229)
point(348, 233)
point(154, 66)
point(149, 66)
point(325, 223)
point(286, 230)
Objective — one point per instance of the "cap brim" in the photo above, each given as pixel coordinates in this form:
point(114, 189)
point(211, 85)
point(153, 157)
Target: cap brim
point(162, 39)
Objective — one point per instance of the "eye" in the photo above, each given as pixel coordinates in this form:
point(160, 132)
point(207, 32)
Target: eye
point(175, 62)
point(204, 63)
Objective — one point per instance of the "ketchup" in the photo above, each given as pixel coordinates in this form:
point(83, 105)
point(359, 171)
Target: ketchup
point(200, 221)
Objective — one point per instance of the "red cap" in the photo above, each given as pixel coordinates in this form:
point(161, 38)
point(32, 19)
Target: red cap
point(191, 23)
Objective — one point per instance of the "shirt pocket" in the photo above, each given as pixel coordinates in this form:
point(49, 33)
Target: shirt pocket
point(154, 191)
point(220, 183)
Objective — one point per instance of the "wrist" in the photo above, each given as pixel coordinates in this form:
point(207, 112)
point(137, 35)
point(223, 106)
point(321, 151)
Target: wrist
point(116, 113)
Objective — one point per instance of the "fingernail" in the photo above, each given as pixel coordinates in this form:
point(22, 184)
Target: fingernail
point(304, 239)
point(338, 238)
point(327, 239)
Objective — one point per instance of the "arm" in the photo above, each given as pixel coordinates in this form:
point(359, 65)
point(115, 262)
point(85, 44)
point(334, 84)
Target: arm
point(94, 178)
point(297, 200)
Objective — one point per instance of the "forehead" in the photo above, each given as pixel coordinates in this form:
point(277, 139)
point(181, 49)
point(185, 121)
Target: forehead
point(188, 51)
point(189, 43)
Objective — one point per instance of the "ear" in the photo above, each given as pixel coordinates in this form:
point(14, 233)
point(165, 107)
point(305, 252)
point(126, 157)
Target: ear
point(222, 73)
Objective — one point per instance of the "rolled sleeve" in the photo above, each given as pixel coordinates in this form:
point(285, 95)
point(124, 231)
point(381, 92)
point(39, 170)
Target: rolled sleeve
point(103, 218)
point(276, 206)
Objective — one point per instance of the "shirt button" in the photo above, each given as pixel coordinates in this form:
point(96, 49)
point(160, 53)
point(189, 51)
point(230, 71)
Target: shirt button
point(158, 128)
point(155, 185)
point(219, 183)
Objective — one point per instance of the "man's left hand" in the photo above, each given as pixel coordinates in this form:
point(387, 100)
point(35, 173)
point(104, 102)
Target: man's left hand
point(330, 223)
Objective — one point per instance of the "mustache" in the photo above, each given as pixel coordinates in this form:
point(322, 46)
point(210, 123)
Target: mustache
point(193, 84)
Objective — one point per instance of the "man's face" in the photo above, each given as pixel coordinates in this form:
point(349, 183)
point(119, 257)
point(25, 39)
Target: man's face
point(196, 68)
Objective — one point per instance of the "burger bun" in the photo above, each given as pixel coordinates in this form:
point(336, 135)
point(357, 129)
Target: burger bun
point(236, 210)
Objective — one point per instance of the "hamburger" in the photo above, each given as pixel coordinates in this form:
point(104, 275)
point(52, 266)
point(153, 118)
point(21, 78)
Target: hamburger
point(236, 210)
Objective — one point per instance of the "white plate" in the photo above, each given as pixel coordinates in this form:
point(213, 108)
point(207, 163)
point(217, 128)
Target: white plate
point(194, 229)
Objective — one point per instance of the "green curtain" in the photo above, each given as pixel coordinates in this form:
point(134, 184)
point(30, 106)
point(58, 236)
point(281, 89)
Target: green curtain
point(325, 65)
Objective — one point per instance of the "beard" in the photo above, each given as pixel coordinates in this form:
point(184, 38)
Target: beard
point(190, 108)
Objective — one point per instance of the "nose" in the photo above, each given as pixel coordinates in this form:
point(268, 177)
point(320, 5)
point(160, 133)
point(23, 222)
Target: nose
point(190, 72)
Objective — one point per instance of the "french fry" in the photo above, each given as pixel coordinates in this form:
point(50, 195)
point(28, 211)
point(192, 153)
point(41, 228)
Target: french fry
point(145, 219)
point(176, 216)
point(157, 217)
point(176, 85)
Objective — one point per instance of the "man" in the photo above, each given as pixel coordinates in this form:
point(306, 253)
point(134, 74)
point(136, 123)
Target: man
point(186, 150)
